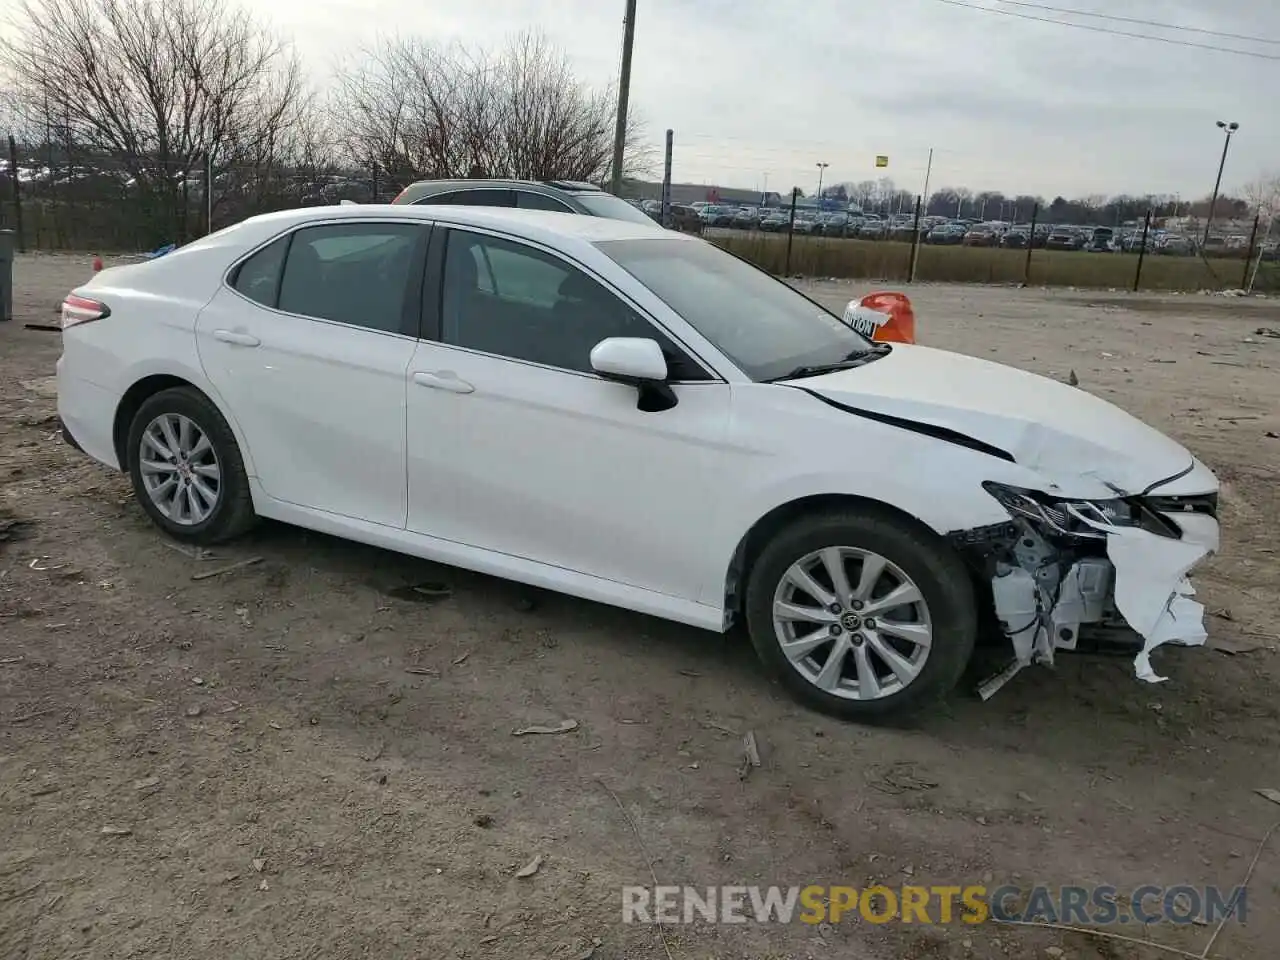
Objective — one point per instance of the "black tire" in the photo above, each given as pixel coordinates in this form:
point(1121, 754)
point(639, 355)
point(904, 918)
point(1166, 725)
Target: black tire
point(923, 556)
point(233, 513)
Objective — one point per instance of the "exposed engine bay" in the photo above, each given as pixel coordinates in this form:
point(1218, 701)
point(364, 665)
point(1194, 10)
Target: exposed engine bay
point(1060, 568)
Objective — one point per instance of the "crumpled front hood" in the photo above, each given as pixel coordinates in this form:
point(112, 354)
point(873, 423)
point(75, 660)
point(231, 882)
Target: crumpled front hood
point(1060, 431)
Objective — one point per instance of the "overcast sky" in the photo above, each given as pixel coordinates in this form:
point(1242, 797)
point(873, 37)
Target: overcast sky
point(757, 89)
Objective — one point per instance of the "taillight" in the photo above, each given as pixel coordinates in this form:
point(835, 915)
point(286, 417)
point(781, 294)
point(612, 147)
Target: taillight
point(77, 310)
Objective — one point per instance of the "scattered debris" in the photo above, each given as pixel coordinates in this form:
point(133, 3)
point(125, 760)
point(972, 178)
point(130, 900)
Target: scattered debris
point(461, 659)
point(484, 821)
point(422, 671)
point(1161, 360)
point(1268, 332)
point(1269, 793)
point(1222, 613)
point(712, 725)
point(1272, 434)
point(35, 565)
point(564, 726)
point(1024, 797)
point(751, 755)
point(194, 711)
point(1244, 417)
point(900, 777)
point(198, 681)
point(46, 327)
point(530, 868)
point(259, 864)
point(264, 885)
point(193, 553)
point(653, 874)
point(1073, 380)
point(1234, 648)
point(146, 783)
point(422, 592)
point(23, 718)
point(689, 673)
point(8, 660)
point(227, 569)
point(111, 831)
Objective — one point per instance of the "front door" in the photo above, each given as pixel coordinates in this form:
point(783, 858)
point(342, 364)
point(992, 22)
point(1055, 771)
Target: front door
point(541, 458)
point(309, 348)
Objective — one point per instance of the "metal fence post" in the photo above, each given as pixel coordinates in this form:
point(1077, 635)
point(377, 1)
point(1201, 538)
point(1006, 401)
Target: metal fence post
point(1142, 251)
point(1248, 257)
point(6, 275)
point(1031, 244)
point(915, 245)
point(791, 230)
point(17, 195)
point(666, 178)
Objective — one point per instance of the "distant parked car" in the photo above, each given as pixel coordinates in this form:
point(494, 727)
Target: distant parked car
point(716, 216)
point(775, 221)
point(1175, 246)
point(982, 236)
point(746, 219)
point(1014, 240)
point(684, 219)
point(1099, 240)
point(948, 234)
point(873, 230)
point(838, 225)
point(1064, 238)
point(564, 196)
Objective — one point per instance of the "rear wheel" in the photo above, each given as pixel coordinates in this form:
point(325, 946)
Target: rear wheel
point(861, 615)
point(186, 468)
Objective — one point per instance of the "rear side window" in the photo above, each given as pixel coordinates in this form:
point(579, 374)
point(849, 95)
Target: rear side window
point(353, 273)
point(258, 278)
point(528, 200)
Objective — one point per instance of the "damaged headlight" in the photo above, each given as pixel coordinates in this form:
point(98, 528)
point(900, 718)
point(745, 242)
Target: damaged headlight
point(1066, 517)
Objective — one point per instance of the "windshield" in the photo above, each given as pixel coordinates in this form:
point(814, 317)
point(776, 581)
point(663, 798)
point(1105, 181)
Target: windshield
point(764, 326)
point(607, 205)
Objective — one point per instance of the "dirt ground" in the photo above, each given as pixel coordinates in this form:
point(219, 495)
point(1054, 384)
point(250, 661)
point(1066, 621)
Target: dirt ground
point(295, 716)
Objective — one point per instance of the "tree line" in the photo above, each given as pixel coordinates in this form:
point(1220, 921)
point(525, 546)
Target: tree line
point(129, 110)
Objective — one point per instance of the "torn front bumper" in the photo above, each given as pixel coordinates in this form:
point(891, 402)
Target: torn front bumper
point(1050, 579)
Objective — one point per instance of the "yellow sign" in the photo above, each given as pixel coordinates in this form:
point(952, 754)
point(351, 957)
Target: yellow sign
point(882, 161)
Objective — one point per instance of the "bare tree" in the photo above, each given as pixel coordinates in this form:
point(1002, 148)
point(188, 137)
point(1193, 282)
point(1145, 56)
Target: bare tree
point(158, 87)
point(420, 109)
point(1263, 195)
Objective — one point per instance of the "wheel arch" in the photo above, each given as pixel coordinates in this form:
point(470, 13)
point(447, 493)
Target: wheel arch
point(768, 525)
point(145, 388)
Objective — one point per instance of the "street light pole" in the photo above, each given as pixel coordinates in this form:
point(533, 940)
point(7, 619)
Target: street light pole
point(624, 94)
point(1230, 128)
point(822, 168)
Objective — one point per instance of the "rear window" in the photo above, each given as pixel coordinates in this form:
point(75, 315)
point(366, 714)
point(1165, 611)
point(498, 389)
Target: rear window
point(602, 204)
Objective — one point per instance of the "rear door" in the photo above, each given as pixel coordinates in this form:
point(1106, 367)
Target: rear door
point(309, 344)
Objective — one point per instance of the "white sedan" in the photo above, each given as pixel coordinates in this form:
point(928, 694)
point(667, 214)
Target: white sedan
point(632, 416)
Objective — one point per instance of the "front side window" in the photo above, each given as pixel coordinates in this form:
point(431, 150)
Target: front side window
point(762, 325)
point(513, 300)
point(352, 273)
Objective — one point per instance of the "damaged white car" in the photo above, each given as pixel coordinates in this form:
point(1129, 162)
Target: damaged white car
point(613, 411)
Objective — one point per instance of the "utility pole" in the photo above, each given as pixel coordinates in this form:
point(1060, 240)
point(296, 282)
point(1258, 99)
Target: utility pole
point(1230, 128)
point(624, 94)
point(208, 192)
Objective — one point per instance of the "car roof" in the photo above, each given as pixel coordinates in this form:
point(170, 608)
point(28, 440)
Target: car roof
point(536, 225)
point(568, 186)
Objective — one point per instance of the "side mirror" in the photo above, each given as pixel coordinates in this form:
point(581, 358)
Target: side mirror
point(629, 359)
point(639, 362)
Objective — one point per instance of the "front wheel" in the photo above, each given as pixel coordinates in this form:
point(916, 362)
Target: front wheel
point(861, 615)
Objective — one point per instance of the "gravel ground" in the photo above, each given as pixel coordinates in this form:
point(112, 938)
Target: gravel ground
point(293, 762)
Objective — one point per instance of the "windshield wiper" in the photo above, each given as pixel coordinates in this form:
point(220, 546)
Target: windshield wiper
point(856, 359)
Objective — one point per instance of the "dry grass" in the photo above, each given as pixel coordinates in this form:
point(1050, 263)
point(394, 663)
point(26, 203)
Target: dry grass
point(889, 260)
